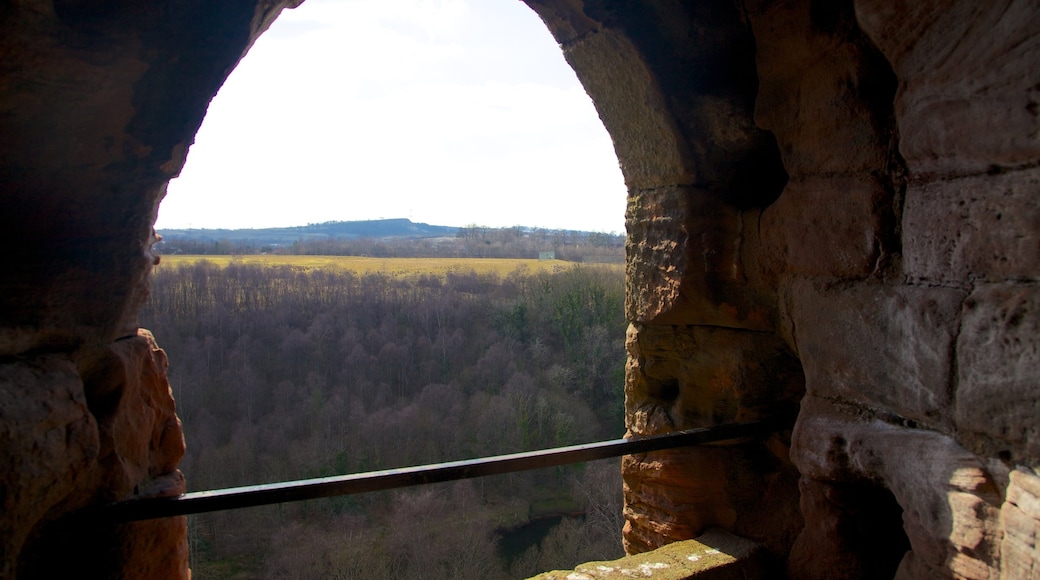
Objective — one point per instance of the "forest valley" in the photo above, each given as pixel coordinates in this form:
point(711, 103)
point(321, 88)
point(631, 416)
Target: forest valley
point(284, 373)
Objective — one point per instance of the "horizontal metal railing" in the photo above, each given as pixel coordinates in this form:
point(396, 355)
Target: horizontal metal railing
point(273, 493)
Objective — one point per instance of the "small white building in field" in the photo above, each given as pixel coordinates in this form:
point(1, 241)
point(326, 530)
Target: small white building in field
point(550, 255)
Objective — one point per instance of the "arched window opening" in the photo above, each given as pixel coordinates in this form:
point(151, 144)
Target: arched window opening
point(452, 113)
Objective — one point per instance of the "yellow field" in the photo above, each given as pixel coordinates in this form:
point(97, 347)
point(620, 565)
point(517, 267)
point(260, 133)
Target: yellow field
point(391, 266)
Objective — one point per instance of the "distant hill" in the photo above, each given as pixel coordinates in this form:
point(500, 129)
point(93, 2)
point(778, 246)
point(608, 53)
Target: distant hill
point(386, 228)
point(401, 238)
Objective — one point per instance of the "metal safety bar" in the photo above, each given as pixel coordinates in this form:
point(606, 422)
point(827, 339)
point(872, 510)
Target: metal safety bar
point(274, 493)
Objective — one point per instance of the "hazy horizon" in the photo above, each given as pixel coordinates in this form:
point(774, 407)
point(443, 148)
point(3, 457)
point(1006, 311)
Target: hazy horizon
point(622, 232)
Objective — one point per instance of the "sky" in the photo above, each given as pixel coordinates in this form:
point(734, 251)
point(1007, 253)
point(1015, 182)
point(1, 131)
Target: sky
point(448, 112)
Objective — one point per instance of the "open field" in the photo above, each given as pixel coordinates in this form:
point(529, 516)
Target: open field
point(391, 266)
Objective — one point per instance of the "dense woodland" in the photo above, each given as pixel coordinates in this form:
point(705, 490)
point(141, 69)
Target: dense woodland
point(283, 373)
point(468, 242)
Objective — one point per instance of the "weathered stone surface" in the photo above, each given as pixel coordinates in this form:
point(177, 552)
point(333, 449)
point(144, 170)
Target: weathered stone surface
point(848, 533)
point(675, 495)
point(976, 228)
point(847, 240)
point(998, 369)
point(146, 444)
point(98, 104)
point(680, 377)
point(748, 488)
point(824, 90)
point(140, 433)
point(950, 503)
point(968, 97)
point(48, 440)
point(887, 347)
point(137, 446)
point(701, 376)
point(692, 91)
point(685, 263)
point(715, 555)
point(565, 19)
point(633, 109)
point(99, 101)
point(1020, 523)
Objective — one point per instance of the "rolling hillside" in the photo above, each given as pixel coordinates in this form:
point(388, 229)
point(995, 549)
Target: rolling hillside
point(387, 228)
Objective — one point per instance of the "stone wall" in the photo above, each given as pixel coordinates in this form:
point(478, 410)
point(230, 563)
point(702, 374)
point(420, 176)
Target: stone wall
point(98, 104)
point(832, 216)
point(833, 207)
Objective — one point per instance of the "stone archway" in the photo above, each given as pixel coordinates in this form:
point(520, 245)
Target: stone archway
point(843, 192)
point(99, 104)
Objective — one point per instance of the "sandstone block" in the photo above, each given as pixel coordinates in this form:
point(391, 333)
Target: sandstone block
point(950, 503)
point(702, 376)
point(632, 106)
point(975, 228)
point(841, 521)
point(969, 83)
point(48, 440)
point(834, 227)
point(679, 107)
point(824, 90)
point(61, 294)
point(1020, 522)
point(715, 555)
point(685, 262)
point(140, 431)
point(93, 129)
point(679, 377)
point(889, 348)
point(675, 495)
point(138, 444)
point(998, 367)
point(565, 20)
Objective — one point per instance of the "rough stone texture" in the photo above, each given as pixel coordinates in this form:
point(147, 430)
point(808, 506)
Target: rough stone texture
point(98, 104)
point(715, 555)
point(748, 488)
point(998, 368)
point(680, 377)
point(969, 84)
point(922, 412)
point(863, 266)
point(978, 228)
point(950, 503)
point(646, 137)
point(698, 376)
point(826, 93)
point(854, 230)
point(889, 348)
point(1020, 522)
point(840, 520)
point(141, 437)
point(690, 151)
point(135, 446)
point(46, 435)
point(675, 85)
point(697, 61)
point(685, 262)
point(824, 90)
